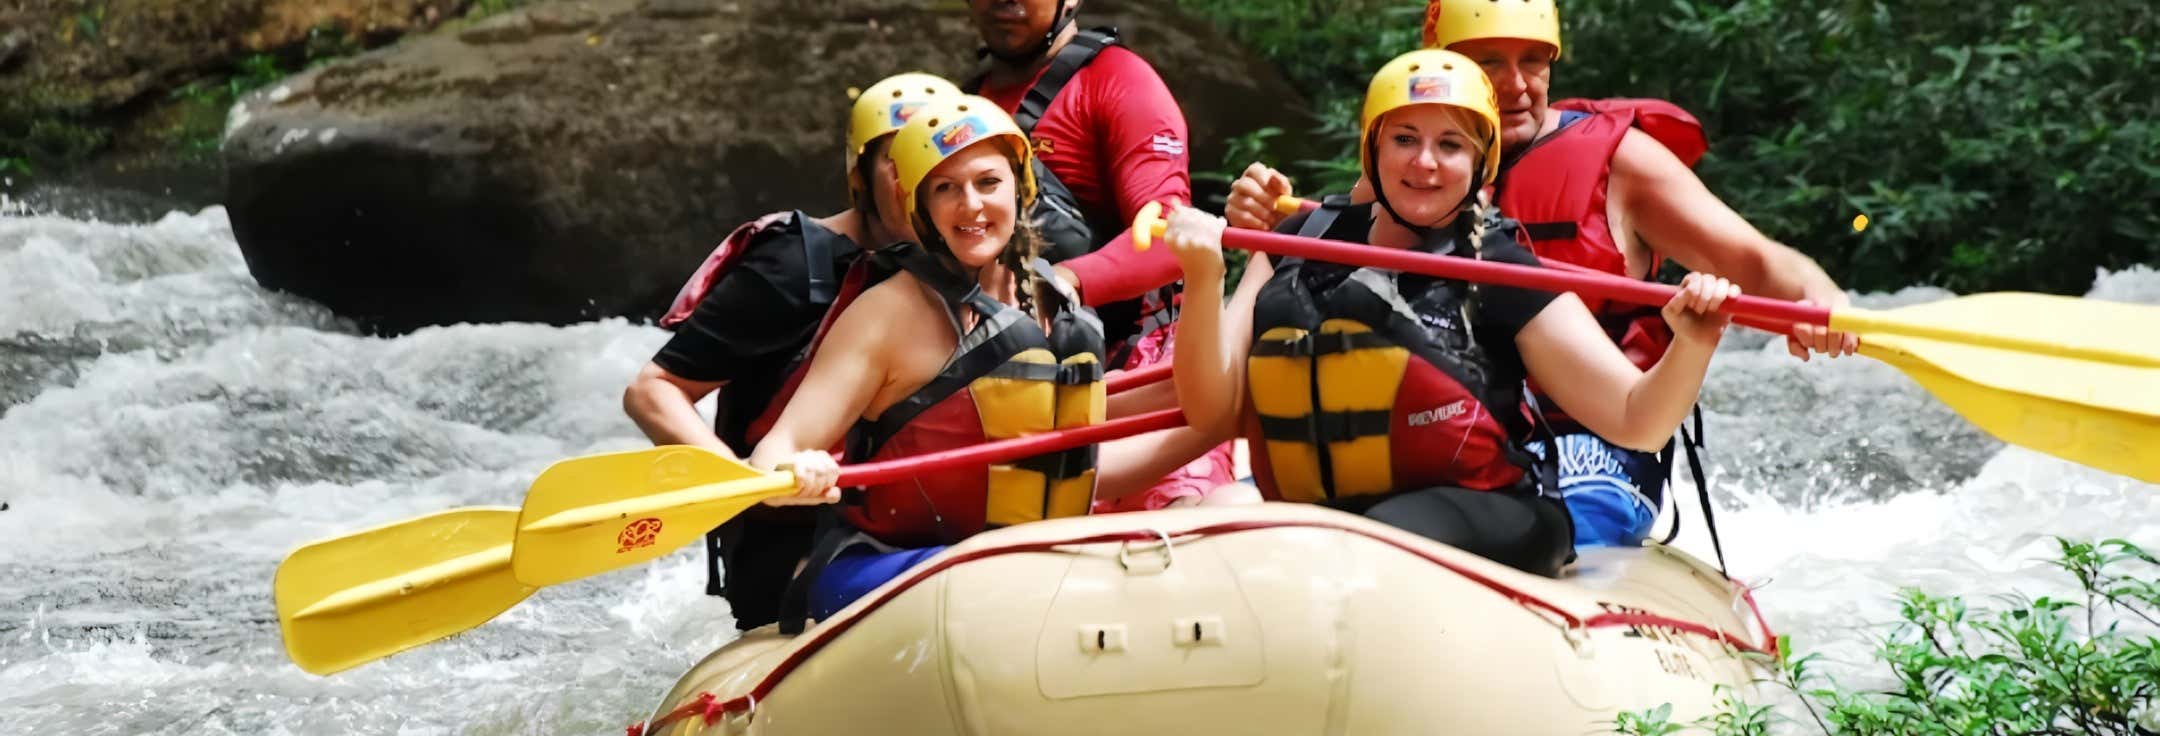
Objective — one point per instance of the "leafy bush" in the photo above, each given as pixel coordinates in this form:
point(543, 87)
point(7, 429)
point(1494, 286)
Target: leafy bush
point(1993, 144)
point(2038, 666)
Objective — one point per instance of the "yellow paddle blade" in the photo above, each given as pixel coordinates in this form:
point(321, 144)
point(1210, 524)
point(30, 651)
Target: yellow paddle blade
point(2096, 413)
point(2087, 329)
point(588, 515)
point(358, 598)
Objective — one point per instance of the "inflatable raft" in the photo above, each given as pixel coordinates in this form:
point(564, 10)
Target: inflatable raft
point(1276, 619)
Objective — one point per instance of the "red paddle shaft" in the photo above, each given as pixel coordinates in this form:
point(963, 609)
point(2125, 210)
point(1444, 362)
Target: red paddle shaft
point(886, 471)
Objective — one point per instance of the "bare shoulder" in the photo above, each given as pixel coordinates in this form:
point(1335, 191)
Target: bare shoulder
point(1643, 157)
point(898, 300)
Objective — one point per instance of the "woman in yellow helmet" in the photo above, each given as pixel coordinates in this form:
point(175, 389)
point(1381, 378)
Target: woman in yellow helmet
point(743, 317)
point(1399, 396)
point(973, 339)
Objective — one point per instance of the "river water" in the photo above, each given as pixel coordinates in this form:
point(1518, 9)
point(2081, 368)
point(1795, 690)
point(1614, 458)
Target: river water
point(171, 430)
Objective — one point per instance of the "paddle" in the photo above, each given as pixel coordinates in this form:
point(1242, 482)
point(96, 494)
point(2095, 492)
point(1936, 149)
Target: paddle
point(357, 598)
point(2073, 378)
point(371, 594)
point(598, 513)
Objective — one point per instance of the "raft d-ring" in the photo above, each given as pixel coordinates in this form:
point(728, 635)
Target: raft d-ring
point(1168, 554)
point(1578, 639)
point(739, 722)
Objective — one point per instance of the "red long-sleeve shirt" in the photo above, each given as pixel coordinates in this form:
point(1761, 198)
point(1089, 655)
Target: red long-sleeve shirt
point(1116, 138)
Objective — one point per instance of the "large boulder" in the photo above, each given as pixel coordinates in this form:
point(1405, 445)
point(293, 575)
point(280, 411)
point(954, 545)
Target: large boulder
point(577, 159)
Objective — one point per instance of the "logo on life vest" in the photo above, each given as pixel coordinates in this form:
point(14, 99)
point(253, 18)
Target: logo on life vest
point(904, 109)
point(638, 535)
point(957, 135)
point(1430, 88)
point(1439, 414)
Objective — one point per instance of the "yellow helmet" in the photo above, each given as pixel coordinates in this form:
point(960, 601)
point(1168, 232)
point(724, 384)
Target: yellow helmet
point(947, 126)
point(882, 109)
point(1431, 77)
point(1450, 21)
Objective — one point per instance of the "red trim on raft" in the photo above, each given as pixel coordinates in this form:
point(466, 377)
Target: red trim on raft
point(703, 706)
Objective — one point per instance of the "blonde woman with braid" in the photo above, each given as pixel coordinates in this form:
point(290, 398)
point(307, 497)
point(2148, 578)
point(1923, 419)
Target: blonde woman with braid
point(973, 339)
point(1400, 397)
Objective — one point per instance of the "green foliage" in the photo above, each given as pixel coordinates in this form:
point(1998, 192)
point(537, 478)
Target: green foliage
point(253, 72)
point(484, 8)
point(2037, 666)
point(1241, 152)
point(328, 43)
point(1993, 144)
point(62, 138)
point(201, 121)
point(1328, 50)
point(88, 24)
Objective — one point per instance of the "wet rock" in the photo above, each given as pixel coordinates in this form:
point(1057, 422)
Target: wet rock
point(577, 159)
point(14, 45)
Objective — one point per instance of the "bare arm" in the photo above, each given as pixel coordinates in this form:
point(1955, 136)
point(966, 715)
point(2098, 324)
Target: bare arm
point(1135, 464)
point(1669, 206)
point(845, 376)
point(1576, 364)
point(1142, 399)
point(664, 406)
point(1209, 363)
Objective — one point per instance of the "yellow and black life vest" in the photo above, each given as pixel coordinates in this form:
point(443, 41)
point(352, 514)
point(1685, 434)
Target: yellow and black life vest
point(1369, 382)
point(1006, 379)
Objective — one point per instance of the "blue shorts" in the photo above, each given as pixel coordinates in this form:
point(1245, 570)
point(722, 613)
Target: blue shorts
point(856, 571)
point(1612, 491)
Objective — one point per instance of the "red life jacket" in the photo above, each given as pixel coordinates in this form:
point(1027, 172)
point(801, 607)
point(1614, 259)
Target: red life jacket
point(1557, 188)
point(722, 259)
point(861, 275)
point(1403, 402)
point(1005, 378)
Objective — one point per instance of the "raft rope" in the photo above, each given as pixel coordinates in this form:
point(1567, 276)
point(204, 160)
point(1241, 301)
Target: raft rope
point(708, 707)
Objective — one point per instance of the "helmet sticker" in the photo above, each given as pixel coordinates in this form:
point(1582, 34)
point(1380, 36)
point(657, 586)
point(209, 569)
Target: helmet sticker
point(1430, 88)
point(958, 134)
point(902, 110)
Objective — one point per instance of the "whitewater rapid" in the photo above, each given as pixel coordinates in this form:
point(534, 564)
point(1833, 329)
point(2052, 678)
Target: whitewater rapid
point(171, 430)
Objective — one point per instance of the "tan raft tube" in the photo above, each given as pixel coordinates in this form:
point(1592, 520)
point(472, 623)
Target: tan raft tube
point(1275, 619)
